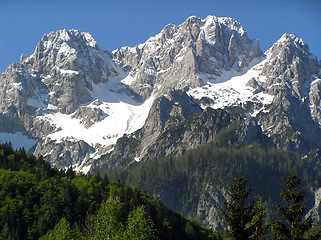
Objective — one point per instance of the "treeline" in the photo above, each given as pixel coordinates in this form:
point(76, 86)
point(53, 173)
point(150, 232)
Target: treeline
point(38, 201)
point(180, 179)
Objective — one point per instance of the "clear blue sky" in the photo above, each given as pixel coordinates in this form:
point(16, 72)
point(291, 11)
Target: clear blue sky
point(118, 23)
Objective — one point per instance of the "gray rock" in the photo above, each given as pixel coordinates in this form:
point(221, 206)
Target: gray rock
point(63, 154)
point(292, 120)
point(88, 115)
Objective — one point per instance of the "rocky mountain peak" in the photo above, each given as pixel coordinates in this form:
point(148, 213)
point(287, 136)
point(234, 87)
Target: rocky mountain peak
point(58, 76)
point(287, 46)
point(179, 56)
point(64, 49)
point(230, 23)
point(293, 40)
point(290, 65)
point(291, 74)
point(71, 37)
point(67, 63)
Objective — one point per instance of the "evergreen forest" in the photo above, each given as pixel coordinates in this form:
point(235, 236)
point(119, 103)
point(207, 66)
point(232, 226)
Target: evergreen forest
point(41, 202)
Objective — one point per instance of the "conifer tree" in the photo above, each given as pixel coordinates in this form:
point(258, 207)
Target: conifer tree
point(295, 226)
point(236, 214)
point(257, 226)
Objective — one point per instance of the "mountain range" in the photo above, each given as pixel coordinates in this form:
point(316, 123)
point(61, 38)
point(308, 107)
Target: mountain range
point(78, 105)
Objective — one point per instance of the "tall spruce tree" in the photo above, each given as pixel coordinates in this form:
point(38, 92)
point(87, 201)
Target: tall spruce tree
point(295, 226)
point(257, 226)
point(245, 221)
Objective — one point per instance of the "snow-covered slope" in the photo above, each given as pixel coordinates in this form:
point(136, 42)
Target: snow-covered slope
point(118, 114)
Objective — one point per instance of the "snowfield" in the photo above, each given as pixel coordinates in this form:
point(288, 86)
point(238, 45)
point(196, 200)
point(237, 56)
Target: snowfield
point(231, 89)
point(122, 118)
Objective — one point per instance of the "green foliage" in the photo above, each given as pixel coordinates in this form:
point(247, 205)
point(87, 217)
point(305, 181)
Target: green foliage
point(38, 201)
point(258, 226)
point(139, 225)
point(113, 222)
point(296, 226)
point(109, 220)
point(236, 214)
point(245, 221)
point(61, 231)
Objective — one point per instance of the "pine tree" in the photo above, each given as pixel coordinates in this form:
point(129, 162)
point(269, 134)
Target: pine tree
point(295, 226)
point(237, 215)
point(257, 226)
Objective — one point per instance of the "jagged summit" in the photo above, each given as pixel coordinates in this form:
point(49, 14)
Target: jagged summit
point(180, 56)
point(290, 64)
point(214, 20)
point(292, 39)
point(71, 35)
point(229, 22)
point(291, 44)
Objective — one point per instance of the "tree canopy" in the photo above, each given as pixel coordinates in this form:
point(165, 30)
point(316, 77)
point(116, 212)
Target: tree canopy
point(38, 201)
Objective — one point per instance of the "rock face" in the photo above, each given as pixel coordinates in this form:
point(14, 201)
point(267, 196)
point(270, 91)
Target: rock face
point(292, 74)
point(91, 109)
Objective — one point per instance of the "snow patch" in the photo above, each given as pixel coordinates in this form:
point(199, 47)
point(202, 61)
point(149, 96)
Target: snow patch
point(38, 101)
point(163, 71)
point(64, 35)
point(65, 49)
point(82, 167)
point(67, 71)
point(128, 80)
point(85, 169)
point(17, 85)
point(315, 81)
point(89, 39)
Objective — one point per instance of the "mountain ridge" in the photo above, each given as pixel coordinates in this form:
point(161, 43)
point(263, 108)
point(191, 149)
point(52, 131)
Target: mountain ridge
point(70, 78)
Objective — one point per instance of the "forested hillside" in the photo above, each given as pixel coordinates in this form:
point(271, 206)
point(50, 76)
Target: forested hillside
point(199, 179)
point(39, 201)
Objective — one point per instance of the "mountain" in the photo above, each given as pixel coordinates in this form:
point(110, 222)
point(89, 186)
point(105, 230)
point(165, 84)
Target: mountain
point(201, 82)
point(56, 99)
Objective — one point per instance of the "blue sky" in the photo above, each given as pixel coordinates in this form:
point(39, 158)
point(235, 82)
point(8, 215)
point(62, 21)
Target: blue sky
point(119, 23)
